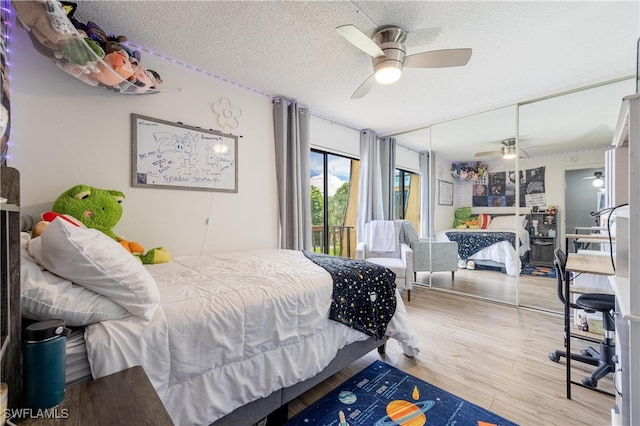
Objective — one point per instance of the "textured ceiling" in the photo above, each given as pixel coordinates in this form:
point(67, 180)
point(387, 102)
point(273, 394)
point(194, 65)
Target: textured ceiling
point(521, 50)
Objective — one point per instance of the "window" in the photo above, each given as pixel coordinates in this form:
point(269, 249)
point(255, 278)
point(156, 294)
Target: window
point(406, 197)
point(334, 203)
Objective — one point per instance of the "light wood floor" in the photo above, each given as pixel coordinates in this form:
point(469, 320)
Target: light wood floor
point(535, 292)
point(490, 354)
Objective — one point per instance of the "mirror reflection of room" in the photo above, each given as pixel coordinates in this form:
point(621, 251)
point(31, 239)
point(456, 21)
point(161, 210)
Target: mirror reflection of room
point(555, 141)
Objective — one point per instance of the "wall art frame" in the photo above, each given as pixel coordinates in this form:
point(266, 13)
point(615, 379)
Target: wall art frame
point(445, 193)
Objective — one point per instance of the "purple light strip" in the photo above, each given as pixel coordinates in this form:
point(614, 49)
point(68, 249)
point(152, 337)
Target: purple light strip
point(199, 70)
point(6, 12)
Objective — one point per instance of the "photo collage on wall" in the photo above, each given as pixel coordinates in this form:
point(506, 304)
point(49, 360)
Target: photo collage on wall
point(498, 189)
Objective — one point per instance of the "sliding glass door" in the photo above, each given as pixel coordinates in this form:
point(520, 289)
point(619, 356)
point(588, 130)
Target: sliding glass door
point(334, 201)
point(406, 197)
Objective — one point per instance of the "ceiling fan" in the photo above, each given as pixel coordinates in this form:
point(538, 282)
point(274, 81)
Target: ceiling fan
point(597, 179)
point(508, 150)
point(389, 55)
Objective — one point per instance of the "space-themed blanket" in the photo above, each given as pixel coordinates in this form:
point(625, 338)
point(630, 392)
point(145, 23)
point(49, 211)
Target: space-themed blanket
point(471, 243)
point(363, 293)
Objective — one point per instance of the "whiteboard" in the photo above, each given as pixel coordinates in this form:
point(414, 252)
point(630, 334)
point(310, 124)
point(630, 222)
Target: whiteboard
point(177, 156)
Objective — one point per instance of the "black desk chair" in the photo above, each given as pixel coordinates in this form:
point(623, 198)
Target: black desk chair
point(590, 302)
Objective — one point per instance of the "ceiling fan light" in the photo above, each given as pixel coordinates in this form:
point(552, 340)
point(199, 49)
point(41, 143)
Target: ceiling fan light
point(388, 72)
point(597, 182)
point(509, 152)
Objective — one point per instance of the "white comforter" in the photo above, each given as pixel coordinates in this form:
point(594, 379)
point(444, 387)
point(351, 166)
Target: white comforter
point(232, 328)
point(502, 252)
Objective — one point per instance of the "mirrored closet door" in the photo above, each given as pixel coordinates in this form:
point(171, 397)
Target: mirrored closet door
point(513, 166)
point(566, 134)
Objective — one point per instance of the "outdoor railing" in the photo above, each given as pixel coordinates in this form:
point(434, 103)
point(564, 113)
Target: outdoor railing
point(339, 240)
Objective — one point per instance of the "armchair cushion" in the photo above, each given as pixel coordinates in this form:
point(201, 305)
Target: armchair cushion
point(395, 264)
point(400, 261)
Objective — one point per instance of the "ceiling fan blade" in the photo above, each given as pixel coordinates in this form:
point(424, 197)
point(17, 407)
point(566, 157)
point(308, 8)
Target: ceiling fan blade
point(522, 146)
point(364, 87)
point(360, 40)
point(487, 153)
point(438, 58)
point(596, 175)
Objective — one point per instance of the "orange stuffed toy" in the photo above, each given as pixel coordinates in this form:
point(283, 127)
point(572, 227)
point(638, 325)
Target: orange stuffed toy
point(115, 68)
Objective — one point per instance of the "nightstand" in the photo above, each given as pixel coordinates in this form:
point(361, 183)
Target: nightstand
point(126, 397)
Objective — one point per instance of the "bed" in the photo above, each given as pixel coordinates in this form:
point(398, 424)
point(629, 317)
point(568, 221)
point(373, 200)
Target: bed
point(224, 339)
point(493, 246)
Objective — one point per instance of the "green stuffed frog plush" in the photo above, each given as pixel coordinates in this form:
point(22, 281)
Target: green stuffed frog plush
point(100, 209)
point(461, 216)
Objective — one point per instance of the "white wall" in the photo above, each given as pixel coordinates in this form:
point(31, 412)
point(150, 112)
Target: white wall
point(443, 215)
point(334, 138)
point(407, 159)
point(341, 140)
point(64, 133)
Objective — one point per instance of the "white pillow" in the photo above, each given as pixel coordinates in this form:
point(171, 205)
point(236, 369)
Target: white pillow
point(89, 258)
point(506, 222)
point(46, 296)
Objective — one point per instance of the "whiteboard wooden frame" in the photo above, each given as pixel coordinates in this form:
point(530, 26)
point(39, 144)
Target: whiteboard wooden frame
point(177, 156)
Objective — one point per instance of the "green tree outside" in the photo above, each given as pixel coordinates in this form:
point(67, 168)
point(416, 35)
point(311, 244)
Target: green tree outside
point(317, 201)
point(336, 209)
point(337, 205)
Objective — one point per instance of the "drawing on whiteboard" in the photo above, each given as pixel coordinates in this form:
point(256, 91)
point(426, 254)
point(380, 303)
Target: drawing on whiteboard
point(174, 155)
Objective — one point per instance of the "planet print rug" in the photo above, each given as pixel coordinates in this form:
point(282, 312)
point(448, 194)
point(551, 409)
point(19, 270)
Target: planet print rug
point(382, 395)
point(538, 271)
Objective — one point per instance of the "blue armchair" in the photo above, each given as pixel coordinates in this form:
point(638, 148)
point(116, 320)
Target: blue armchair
point(430, 255)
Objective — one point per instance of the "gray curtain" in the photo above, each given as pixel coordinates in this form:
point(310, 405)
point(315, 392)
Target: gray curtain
point(291, 128)
point(376, 182)
point(425, 196)
point(387, 175)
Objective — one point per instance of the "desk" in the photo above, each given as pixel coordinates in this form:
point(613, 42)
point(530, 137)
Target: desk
point(587, 264)
point(587, 238)
point(590, 228)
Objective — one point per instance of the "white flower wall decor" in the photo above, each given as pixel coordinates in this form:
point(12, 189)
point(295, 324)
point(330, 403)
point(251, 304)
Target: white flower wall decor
point(227, 114)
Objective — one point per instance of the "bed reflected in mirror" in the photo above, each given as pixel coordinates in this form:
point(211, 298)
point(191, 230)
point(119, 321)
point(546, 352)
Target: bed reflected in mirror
point(467, 154)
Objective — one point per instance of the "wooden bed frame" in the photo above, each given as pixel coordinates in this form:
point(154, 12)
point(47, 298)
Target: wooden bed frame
point(274, 405)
